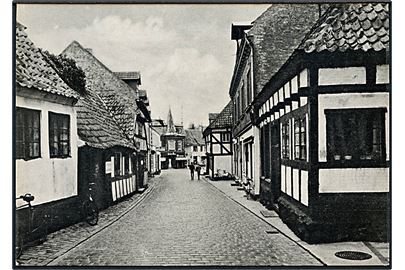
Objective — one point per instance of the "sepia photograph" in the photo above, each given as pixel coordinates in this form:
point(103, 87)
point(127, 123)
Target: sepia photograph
point(202, 135)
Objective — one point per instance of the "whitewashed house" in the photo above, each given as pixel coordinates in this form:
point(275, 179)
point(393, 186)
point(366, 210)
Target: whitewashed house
point(45, 131)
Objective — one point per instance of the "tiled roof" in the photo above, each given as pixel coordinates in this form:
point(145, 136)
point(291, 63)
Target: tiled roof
point(32, 70)
point(96, 126)
point(350, 27)
point(212, 116)
point(131, 75)
point(119, 98)
point(194, 137)
point(276, 34)
point(224, 118)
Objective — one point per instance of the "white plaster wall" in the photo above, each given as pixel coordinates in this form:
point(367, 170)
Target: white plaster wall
point(288, 184)
point(354, 180)
point(296, 185)
point(382, 74)
point(222, 163)
point(349, 101)
point(347, 75)
point(304, 187)
point(283, 177)
point(256, 160)
point(45, 178)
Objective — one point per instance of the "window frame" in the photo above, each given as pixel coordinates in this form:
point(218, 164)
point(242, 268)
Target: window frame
point(286, 140)
point(118, 160)
point(58, 117)
point(301, 143)
point(26, 141)
point(356, 159)
point(225, 137)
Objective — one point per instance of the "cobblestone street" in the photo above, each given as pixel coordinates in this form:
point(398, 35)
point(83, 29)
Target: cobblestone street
point(185, 222)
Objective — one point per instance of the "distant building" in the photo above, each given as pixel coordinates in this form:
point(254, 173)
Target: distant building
point(218, 141)
point(46, 135)
point(173, 152)
point(195, 146)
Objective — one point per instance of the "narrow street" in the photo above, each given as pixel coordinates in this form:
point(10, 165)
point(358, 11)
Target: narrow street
point(185, 222)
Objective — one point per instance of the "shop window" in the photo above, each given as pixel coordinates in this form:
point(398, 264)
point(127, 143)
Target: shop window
point(300, 138)
point(27, 134)
point(355, 135)
point(285, 137)
point(117, 164)
point(59, 135)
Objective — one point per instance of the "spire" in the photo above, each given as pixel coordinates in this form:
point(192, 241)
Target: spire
point(170, 124)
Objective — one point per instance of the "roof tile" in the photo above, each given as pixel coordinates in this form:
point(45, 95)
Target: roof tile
point(363, 26)
point(33, 71)
point(224, 118)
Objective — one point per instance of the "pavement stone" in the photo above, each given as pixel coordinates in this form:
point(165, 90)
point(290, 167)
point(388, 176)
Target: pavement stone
point(191, 223)
point(324, 252)
point(65, 239)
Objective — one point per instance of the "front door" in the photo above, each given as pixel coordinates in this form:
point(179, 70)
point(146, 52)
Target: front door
point(275, 163)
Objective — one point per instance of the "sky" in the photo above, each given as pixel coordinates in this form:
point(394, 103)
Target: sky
point(184, 52)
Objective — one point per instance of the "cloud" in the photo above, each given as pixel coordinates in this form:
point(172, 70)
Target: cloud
point(175, 71)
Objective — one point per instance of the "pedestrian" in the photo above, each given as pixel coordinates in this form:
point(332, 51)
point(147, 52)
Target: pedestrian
point(191, 167)
point(198, 170)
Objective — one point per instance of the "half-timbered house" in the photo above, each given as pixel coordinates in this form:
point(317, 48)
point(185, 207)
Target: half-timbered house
point(325, 118)
point(218, 142)
point(262, 47)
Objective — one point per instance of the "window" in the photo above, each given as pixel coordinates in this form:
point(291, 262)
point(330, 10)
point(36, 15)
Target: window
point(201, 148)
point(225, 137)
point(126, 164)
point(243, 94)
point(140, 129)
point(285, 140)
point(300, 138)
point(355, 134)
point(171, 145)
point(27, 134)
point(117, 164)
point(179, 146)
point(59, 135)
point(249, 86)
point(195, 148)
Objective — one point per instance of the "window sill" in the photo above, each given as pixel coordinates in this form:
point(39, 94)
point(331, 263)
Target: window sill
point(28, 159)
point(61, 157)
point(355, 164)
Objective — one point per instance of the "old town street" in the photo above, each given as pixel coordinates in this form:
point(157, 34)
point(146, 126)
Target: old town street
point(184, 222)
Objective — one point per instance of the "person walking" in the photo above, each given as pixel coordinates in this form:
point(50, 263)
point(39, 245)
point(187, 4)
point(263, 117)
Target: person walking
point(191, 167)
point(198, 170)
